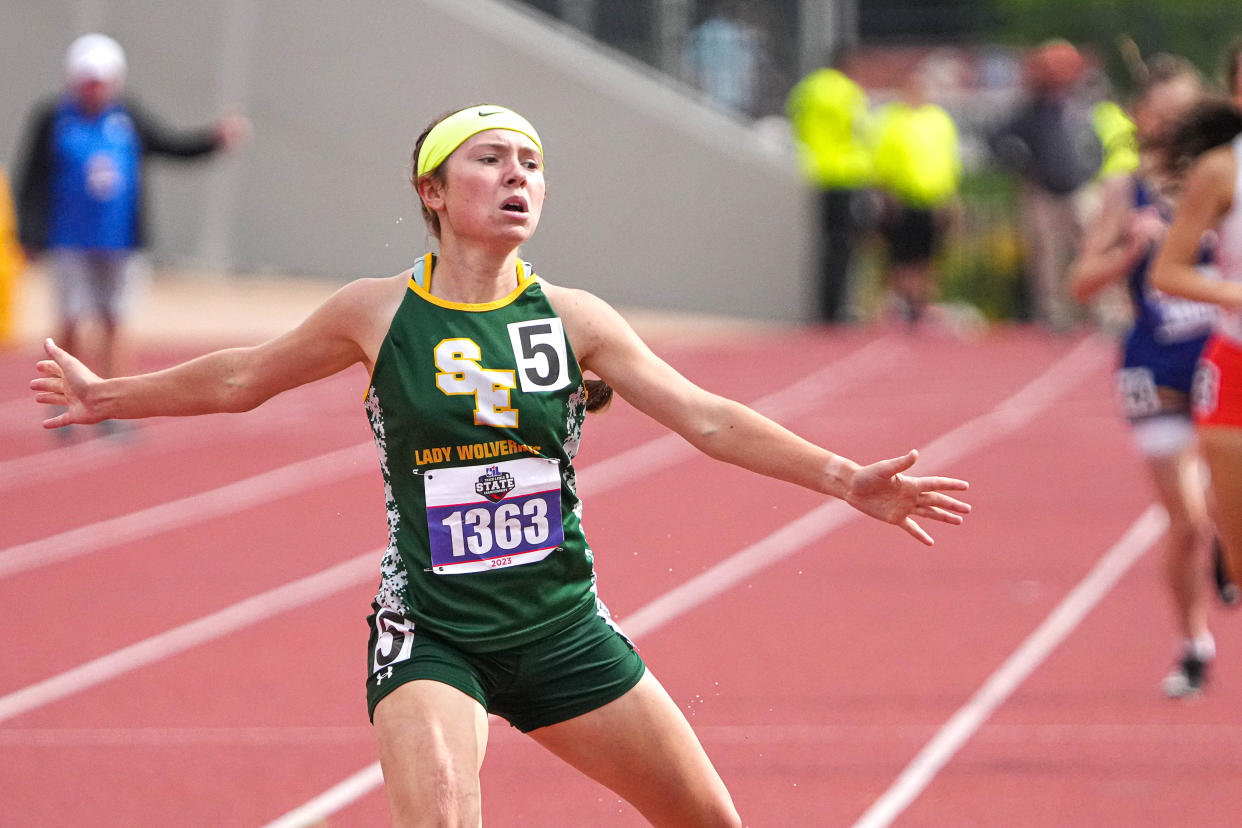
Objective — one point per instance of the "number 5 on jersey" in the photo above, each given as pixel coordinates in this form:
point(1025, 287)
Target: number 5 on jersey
point(539, 348)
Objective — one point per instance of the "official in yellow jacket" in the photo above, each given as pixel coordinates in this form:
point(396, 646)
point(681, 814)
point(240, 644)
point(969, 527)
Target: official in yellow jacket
point(830, 119)
point(917, 166)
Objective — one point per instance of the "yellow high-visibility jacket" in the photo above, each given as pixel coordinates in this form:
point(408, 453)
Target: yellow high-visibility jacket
point(829, 116)
point(917, 157)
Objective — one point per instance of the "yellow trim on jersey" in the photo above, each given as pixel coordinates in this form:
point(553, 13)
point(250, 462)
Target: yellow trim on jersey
point(524, 280)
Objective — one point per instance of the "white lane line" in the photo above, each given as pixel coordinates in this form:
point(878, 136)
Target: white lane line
point(62, 738)
point(200, 631)
point(153, 435)
point(244, 494)
point(339, 796)
point(800, 396)
point(605, 474)
point(967, 438)
point(1010, 415)
point(76, 458)
point(1119, 735)
point(1000, 685)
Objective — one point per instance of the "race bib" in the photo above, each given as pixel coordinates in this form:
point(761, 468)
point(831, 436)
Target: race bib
point(1136, 389)
point(1205, 389)
point(493, 516)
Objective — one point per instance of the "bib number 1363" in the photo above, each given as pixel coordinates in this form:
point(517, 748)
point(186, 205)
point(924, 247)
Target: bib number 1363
point(489, 517)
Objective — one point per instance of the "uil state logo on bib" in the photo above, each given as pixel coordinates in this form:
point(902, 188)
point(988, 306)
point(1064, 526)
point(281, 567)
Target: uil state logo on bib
point(491, 517)
point(494, 484)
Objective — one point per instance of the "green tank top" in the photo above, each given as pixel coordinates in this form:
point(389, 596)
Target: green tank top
point(477, 412)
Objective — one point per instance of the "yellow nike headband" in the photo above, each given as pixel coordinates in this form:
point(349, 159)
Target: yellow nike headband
point(453, 131)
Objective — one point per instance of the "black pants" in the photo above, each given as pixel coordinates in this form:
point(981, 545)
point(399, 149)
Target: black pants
point(839, 226)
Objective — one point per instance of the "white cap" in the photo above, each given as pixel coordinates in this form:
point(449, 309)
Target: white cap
point(95, 57)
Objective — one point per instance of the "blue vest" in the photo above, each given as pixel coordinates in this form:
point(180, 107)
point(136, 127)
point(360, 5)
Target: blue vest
point(95, 179)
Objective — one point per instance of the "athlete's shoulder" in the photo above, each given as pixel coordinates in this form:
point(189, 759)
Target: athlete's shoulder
point(1219, 163)
point(590, 322)
point(1213, 179)
point(363, 309)
point(569, 298)
point(372, 293)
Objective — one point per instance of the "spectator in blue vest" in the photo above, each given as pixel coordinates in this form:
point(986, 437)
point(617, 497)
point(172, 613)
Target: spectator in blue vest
point(80, 190)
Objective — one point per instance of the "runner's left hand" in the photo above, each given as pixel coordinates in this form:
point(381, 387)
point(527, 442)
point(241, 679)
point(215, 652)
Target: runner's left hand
point(882, 491)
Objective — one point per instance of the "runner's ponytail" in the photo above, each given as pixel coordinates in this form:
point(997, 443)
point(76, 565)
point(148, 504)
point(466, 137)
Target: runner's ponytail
point(1212, 123)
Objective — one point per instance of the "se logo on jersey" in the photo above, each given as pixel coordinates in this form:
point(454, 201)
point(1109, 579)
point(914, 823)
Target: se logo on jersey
point(542, 365)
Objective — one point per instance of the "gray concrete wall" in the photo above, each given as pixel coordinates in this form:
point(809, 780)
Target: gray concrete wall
point(655, 199)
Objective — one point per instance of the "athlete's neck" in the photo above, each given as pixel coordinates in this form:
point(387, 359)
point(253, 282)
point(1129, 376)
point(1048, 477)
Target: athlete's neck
point(472, 276)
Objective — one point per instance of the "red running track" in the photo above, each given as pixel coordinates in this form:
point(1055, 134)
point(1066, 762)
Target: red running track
point(173, 655)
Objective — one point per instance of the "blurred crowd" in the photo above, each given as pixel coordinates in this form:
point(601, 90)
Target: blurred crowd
point(950, 179)
point(889, 149)
point(894, 142)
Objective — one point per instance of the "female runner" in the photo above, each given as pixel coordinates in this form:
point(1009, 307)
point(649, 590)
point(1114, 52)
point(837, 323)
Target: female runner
point(1211, 140)
point(487, 600)
point(1160, 354)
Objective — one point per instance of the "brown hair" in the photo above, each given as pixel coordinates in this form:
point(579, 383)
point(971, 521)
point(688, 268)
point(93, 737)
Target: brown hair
point(429, 217)
point(599, 394)
point(1212, 123)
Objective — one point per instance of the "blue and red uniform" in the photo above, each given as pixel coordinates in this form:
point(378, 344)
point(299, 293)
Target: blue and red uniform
point(1163, 346)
